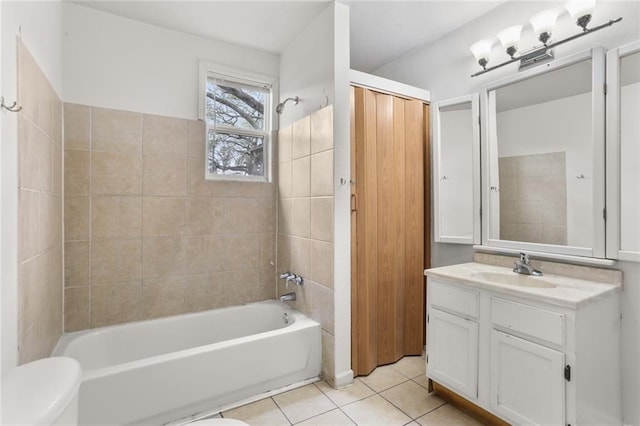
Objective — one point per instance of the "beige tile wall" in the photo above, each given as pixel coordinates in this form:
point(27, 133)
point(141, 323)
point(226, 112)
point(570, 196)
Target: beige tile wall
point(146, 235)
point(533, 198)
point(39, 211)
point(305, 220)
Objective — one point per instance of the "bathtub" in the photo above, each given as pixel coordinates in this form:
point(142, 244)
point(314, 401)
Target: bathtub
point(157, 371)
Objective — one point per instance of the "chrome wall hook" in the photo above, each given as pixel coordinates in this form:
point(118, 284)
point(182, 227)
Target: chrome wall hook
point(13, 107)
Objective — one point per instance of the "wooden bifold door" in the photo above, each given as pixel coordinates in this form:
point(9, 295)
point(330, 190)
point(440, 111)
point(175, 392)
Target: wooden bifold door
point(389, 152)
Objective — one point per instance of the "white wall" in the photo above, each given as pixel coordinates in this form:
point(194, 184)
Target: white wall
point(444, 68)
point(307, 67)
point(342, 197)
point(114, 62)
point(315, 67)
point(39, 24)
point(570, 133)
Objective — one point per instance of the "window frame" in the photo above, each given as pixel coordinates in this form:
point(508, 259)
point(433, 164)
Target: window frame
point(239, 77)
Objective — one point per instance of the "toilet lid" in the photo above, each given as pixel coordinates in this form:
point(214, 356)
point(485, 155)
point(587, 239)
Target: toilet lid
point(38, 392)
point(219, 422)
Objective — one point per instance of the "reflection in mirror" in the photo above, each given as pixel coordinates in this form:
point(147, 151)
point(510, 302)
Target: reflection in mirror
point(543, 185)
point(456, 170)
point(630, 152)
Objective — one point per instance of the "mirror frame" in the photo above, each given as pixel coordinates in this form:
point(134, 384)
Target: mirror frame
point(613, 152)
point(489, 169)
point(474, 98)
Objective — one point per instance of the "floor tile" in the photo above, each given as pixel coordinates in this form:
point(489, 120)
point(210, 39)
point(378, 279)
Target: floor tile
point(332, 418)
point(263, 412)
point(303, 403)
point(375, 410)
point(422, 381)
point(346, 395)
point(447, 415)
point(411, 366)
point(383, 378)
point(412, 399)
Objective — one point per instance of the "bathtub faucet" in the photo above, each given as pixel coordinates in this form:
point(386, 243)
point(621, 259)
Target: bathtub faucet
point(296, 279)
point(286, 275)
point(288, 297)
point(289, 277)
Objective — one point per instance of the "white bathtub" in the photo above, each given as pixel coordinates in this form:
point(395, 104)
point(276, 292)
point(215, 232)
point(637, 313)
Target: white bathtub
point(156, 371)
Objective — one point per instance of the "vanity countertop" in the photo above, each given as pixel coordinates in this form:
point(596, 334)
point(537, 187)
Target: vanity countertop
point(558, 290)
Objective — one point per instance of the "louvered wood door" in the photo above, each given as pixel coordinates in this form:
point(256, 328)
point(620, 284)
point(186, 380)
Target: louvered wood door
point(389, 158)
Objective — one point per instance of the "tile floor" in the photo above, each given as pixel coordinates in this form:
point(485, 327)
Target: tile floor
point(391, 395)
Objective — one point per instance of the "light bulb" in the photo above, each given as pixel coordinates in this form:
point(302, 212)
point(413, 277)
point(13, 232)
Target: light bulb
point(581, 11)
point(509, 38)
point(481, 50)
point(543, 24)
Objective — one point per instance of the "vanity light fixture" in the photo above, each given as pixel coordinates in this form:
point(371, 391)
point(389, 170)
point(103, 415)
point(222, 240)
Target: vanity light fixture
point(481, 50)
point(510, 38)
point(542, 23)
point(580, 11)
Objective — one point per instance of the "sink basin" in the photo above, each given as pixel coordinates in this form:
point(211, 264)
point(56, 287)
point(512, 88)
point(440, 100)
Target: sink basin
point(512, 278)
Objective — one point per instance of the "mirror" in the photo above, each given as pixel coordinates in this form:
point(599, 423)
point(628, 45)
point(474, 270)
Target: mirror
point(546, 158)
point(623, 155)
point(456, 170)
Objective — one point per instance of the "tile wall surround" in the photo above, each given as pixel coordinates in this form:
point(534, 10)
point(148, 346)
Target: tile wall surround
point(39, 211)
point(533, 198)
point(305, 220)
point(146, 235)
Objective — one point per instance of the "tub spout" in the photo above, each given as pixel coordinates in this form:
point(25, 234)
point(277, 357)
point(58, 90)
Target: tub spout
point(288, 297)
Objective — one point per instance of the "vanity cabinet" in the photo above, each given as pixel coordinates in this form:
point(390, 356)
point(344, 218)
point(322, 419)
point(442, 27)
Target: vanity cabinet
point(453, 334)
point(527, 383)
point(525, 359)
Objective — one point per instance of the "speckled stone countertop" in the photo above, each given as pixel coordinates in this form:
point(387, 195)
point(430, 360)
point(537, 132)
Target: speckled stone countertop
point(577, 287)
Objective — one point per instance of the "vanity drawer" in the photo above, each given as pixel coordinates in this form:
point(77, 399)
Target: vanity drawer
point(453, 299)
point(529, 320)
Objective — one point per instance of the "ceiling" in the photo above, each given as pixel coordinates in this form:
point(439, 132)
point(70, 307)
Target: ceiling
point(381, 31)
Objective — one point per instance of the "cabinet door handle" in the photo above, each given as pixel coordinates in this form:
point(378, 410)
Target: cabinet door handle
point(354, 202)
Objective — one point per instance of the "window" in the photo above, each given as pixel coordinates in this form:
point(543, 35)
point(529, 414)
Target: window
point(237, 111)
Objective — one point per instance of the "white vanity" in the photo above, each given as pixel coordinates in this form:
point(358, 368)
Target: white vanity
point(530, 350)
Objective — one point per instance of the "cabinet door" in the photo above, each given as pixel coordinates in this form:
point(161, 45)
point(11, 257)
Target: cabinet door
point(456, 169)
point(623, 151)
point(453, 352)
point(527, 381)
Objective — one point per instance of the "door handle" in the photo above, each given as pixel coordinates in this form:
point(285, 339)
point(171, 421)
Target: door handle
point(354, 202)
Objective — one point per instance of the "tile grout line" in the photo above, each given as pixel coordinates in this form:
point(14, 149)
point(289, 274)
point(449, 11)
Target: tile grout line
point(282, 411)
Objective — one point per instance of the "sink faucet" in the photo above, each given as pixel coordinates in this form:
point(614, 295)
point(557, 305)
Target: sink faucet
point(523, 266)
point(288, 297)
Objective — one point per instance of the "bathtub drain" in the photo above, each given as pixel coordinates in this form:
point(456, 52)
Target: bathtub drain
point(285, 318)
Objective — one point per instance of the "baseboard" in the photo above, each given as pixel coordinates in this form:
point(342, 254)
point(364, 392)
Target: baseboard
point(343, 379)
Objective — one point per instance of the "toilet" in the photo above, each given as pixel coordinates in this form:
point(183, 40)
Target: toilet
point(43, 392)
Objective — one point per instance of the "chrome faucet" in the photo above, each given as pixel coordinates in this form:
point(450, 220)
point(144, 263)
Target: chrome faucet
point(289, 277)
point(296, 279)
point(285, 275)
point(288, 297)
point(523, 266)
